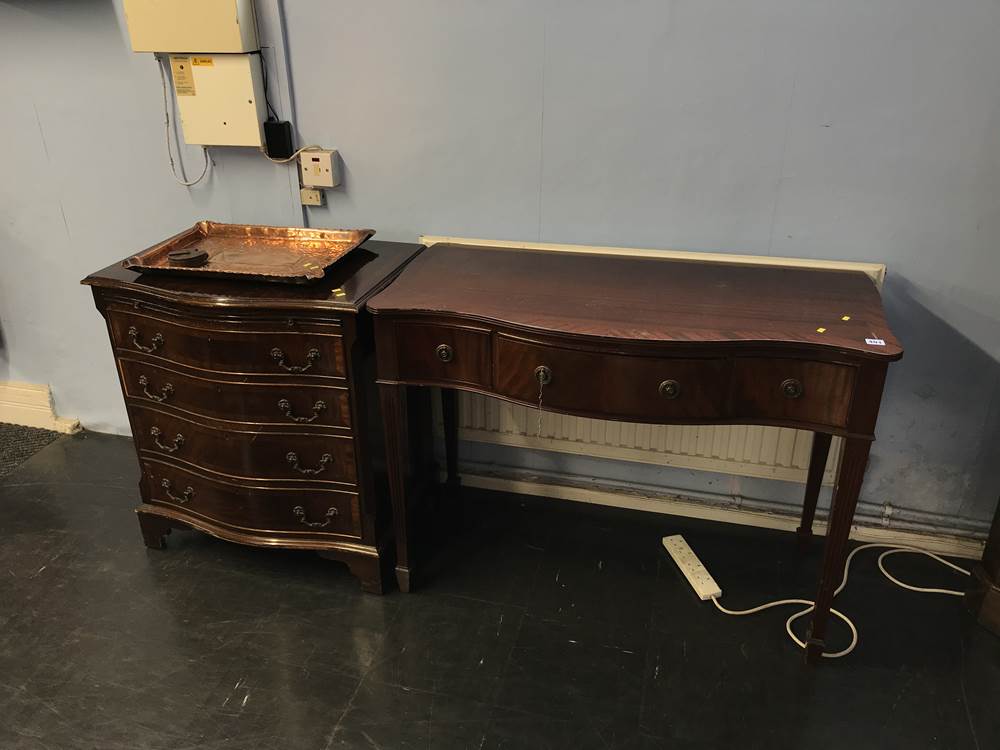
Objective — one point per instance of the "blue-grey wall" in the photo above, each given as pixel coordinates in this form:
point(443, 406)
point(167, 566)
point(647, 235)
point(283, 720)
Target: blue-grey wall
point(853, 130)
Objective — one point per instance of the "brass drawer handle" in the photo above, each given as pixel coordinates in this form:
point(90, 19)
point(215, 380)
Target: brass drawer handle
point(286, 407)
point(279, 356)
point(445, 353)
point(178, 440)
point(165, 392)
point(670, 389)
point(293, 458)
point(155, 343)
point(300, 513)
point(184, 498)
point(543, 375)
point(791, 388)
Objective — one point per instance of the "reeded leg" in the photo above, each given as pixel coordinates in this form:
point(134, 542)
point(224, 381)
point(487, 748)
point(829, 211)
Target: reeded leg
point(814, 481)
point(983, 593)
point(451, 499)
point(449, 411)
point(394, 410)
point(850, 473)
point(154, 529)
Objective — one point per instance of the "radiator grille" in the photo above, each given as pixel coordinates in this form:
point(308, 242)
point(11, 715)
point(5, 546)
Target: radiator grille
point(768, 452)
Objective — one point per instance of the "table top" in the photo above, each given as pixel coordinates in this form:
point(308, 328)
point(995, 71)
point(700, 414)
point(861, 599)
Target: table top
point(646, 299)
point(347, 284)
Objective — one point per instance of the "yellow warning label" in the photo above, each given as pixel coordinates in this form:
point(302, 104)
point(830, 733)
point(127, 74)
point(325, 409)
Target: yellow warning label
point(180, 67)
point(202, 61)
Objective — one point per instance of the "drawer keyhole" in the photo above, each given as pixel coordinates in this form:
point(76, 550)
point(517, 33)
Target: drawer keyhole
point(670, 389)
point(445, 353)
point(543, 375)
point(791, 388)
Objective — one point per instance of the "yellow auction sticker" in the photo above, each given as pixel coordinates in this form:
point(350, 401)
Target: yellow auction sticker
point(207, 61)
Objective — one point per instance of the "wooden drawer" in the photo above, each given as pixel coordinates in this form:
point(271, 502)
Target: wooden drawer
point(246, 453)
point(246, 347)
point(306, 510)
point(254, 403)
point(792, 389)
point(632, 388)
point(441, 353)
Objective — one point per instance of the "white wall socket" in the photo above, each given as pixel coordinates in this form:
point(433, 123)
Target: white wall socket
point(319, 168)
point(311, 196)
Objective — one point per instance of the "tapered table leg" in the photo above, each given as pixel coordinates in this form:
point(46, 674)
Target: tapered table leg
point(449, 413)
point(983, 593)
point(452, 501)
point(850, 473)
point(814, 481)
point(396, 429)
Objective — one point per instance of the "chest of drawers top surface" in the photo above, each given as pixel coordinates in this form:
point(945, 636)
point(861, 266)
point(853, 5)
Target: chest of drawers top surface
point(345, 288)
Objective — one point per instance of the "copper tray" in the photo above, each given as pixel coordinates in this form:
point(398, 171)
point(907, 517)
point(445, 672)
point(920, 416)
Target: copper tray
point(291, 255)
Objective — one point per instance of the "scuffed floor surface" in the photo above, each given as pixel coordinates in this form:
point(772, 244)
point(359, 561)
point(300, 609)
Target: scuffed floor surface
point(543, 625)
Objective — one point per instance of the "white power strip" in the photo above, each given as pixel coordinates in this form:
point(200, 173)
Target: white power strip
point(692, 568)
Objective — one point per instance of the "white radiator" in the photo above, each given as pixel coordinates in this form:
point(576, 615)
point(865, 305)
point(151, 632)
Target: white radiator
point(768, 452)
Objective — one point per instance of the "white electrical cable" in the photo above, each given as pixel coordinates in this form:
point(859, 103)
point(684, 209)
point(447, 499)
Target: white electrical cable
point(293, 156)
point(891, 549)
point(166, 130)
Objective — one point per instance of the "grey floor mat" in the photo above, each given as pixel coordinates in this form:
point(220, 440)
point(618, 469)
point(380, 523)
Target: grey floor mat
point(19, 443)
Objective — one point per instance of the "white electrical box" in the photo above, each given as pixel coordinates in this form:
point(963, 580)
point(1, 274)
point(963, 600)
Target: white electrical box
point(191, 25)
point(319, 168)
point(310, 196)
point(220, 99)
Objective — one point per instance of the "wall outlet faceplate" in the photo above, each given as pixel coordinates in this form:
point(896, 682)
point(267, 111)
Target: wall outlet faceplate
point(319, 168)
point(311, 196)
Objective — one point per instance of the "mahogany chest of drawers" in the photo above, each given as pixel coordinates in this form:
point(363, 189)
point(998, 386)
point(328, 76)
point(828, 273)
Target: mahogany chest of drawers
point(250, 405)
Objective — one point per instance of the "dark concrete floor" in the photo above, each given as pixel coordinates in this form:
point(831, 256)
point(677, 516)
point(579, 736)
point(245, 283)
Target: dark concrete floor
point(543, 625)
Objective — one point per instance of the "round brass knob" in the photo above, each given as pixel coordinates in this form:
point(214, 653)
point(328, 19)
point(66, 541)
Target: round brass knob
point(445, 353)
point(670, 389)
point(791, 388)
point(543, 375)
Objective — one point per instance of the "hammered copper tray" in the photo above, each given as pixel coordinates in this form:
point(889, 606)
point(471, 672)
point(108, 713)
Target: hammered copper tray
point(291, 255)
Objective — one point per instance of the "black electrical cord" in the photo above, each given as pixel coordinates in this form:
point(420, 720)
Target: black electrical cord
point(267, 100)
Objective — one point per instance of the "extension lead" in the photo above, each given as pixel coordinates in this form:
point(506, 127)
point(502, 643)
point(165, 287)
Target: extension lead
point(702, 581)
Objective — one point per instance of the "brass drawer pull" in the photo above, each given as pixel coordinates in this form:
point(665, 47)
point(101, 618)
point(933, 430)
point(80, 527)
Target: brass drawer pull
point(184, 498)
point(178, 440)
point(445, 353)
point(286, 407)
point(670, 389)
point(300, 513)
point(155, 343)
point(279, 356)
point(791, 388)
point(293, 458)
point(543, 375)
point(165, 392)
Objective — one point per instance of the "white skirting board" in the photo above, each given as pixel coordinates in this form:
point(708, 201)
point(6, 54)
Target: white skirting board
point(30, 404)
point(669, 504)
